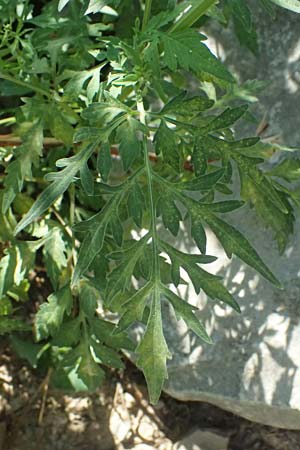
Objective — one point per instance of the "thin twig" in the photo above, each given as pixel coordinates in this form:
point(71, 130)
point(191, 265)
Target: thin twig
point(44, 398)
point(9, 140)
point(62, 222)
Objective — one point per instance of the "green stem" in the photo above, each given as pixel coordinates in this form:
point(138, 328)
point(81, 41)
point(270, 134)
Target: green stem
point(149, 175)
point(7, 120)
point(25, 84)
point(152, 212)
point(72, 220)
point(193, 14)
point(72, 203)
point(147, 12)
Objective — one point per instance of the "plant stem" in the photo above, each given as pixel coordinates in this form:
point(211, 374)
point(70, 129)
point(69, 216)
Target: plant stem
point(146, 13)
point(193, 14)
point(10, 140)
point(7, 120)
point(155, 268)
point(25, 84)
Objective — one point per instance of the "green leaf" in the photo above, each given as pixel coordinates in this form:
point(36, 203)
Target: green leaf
point(247, 37)
point(88, 299)
point(27, 155)
point(6, 307)
point(88, 371)
point(55, 255)
point(117, 229)
point(202, 183)
point(235, 243)
point(103, 331)
point(166, 143)
point(198, 232)
point(199, 157)
point(193, 13)
point(134, 307)
point(10, 325)
point(94, 230)
point(292, 5)
point(182, 106)
point(200, 278)
point(152, 352)
point(225, 120)
point(51, 314)
point(267, 5)
point(106, 355)
point(100, 6)
point(89, 79)
point(60, 183)
point(105, 112)
point(170, 213)
point(224, 207)
point(27, 349)
point(69, 334)
point(186, 312)
point(86, 179)
point(59, 124)
point(104, 161)
point(288, 169)
point(136, 204)
point(184, 49)
point(280, 223)
point(120, 277)
point(130, 146)
point(14, 267)
point(242, 13)
point(247, 166)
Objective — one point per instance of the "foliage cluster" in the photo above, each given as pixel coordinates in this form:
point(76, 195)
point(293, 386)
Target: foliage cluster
point(115, 147)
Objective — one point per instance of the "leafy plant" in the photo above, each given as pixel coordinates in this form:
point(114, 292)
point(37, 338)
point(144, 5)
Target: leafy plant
point(115, 148)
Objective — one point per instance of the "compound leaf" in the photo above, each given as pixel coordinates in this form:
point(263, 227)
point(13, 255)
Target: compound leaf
point(50, 315)
point(184, 49)
point(60, 183)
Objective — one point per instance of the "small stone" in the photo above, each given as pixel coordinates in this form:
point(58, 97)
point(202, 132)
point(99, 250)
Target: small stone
point(165, 444)
point(129, 400)
point(77, 404)
point(119, 425)
point(143, 447)
point(203, 440)
point(146, 430)
point(5, 375)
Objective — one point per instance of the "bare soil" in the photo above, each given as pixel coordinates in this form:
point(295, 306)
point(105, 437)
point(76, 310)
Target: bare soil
point(117, 416)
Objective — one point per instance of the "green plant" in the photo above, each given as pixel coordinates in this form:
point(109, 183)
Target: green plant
point(113, 146)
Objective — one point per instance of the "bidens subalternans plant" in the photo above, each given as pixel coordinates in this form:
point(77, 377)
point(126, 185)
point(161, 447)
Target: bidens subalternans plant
point(111, 142)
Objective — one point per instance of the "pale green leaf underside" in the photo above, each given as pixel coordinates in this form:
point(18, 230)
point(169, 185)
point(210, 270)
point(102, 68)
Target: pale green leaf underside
point(61, 182)
point(292, 5)
point(153, 351)
point(62, 4)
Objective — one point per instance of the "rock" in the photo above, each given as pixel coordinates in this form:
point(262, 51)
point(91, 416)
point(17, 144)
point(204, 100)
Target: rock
point(119, 425)
point(142, 447)
point(146, 429)
point(119, 420)
point(202, 440)
point(253, 367)
point(278, 63)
